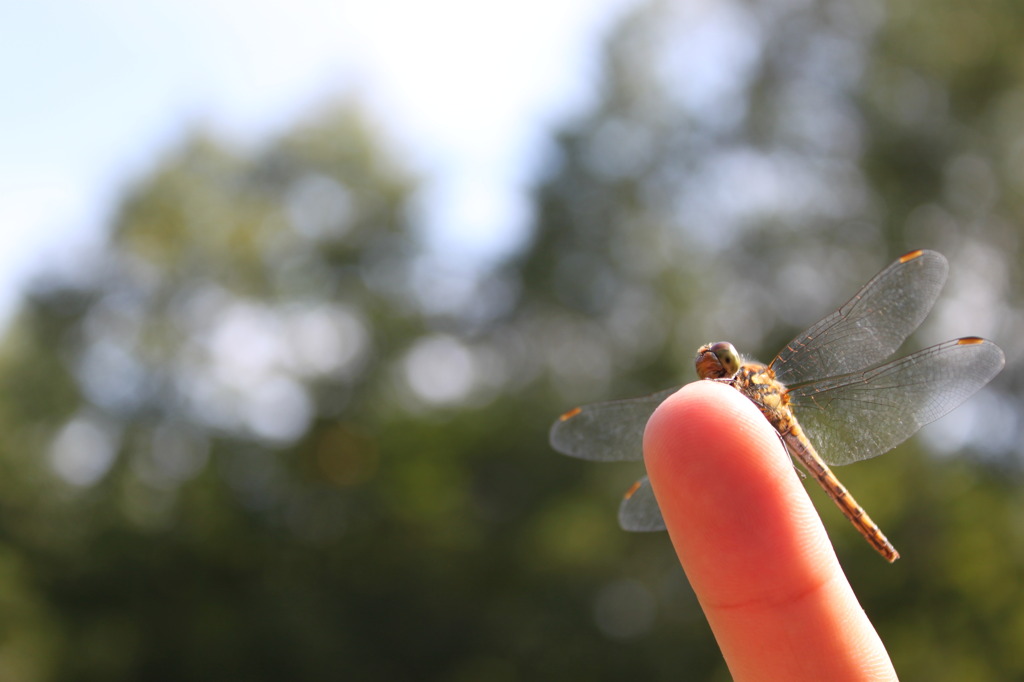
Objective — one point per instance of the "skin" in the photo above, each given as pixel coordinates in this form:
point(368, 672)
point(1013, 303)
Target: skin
point(752, 544)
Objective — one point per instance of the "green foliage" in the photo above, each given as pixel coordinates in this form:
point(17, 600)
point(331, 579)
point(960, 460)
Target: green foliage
point(262, 437)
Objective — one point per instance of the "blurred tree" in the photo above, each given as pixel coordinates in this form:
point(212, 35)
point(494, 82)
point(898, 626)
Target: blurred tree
point(747, 167)
point(770, 157)
point(267, 434)
point(263, 435)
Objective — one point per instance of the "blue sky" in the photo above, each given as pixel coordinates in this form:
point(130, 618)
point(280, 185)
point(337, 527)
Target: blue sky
point(95, 91)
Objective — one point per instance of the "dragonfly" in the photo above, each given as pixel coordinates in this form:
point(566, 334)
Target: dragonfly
point(831, 393)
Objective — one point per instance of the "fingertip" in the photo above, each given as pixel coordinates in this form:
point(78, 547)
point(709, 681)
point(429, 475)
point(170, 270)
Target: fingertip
point(729, 494)
point(751, 542)
point(706, 427)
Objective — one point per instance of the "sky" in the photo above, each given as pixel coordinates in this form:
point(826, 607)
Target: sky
point(96, 91)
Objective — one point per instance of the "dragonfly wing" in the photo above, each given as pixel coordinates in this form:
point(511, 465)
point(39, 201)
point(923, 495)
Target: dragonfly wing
point(606, 431)
point(639, 510)
point(871, 326)
point(861, 415)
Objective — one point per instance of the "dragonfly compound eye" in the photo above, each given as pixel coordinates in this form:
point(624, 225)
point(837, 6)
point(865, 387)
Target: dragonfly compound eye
point(717, 361)
point(727, 355)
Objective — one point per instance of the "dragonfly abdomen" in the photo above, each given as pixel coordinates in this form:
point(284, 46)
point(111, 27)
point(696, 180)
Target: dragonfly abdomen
point(758, 383)
point(800, 448)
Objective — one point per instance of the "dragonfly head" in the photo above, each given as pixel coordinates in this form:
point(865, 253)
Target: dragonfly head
point(717, 361)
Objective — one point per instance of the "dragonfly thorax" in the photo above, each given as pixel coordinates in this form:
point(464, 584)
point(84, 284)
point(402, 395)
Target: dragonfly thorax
point(758, 383)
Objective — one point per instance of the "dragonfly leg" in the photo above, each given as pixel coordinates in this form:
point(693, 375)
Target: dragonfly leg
point(799, 472)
